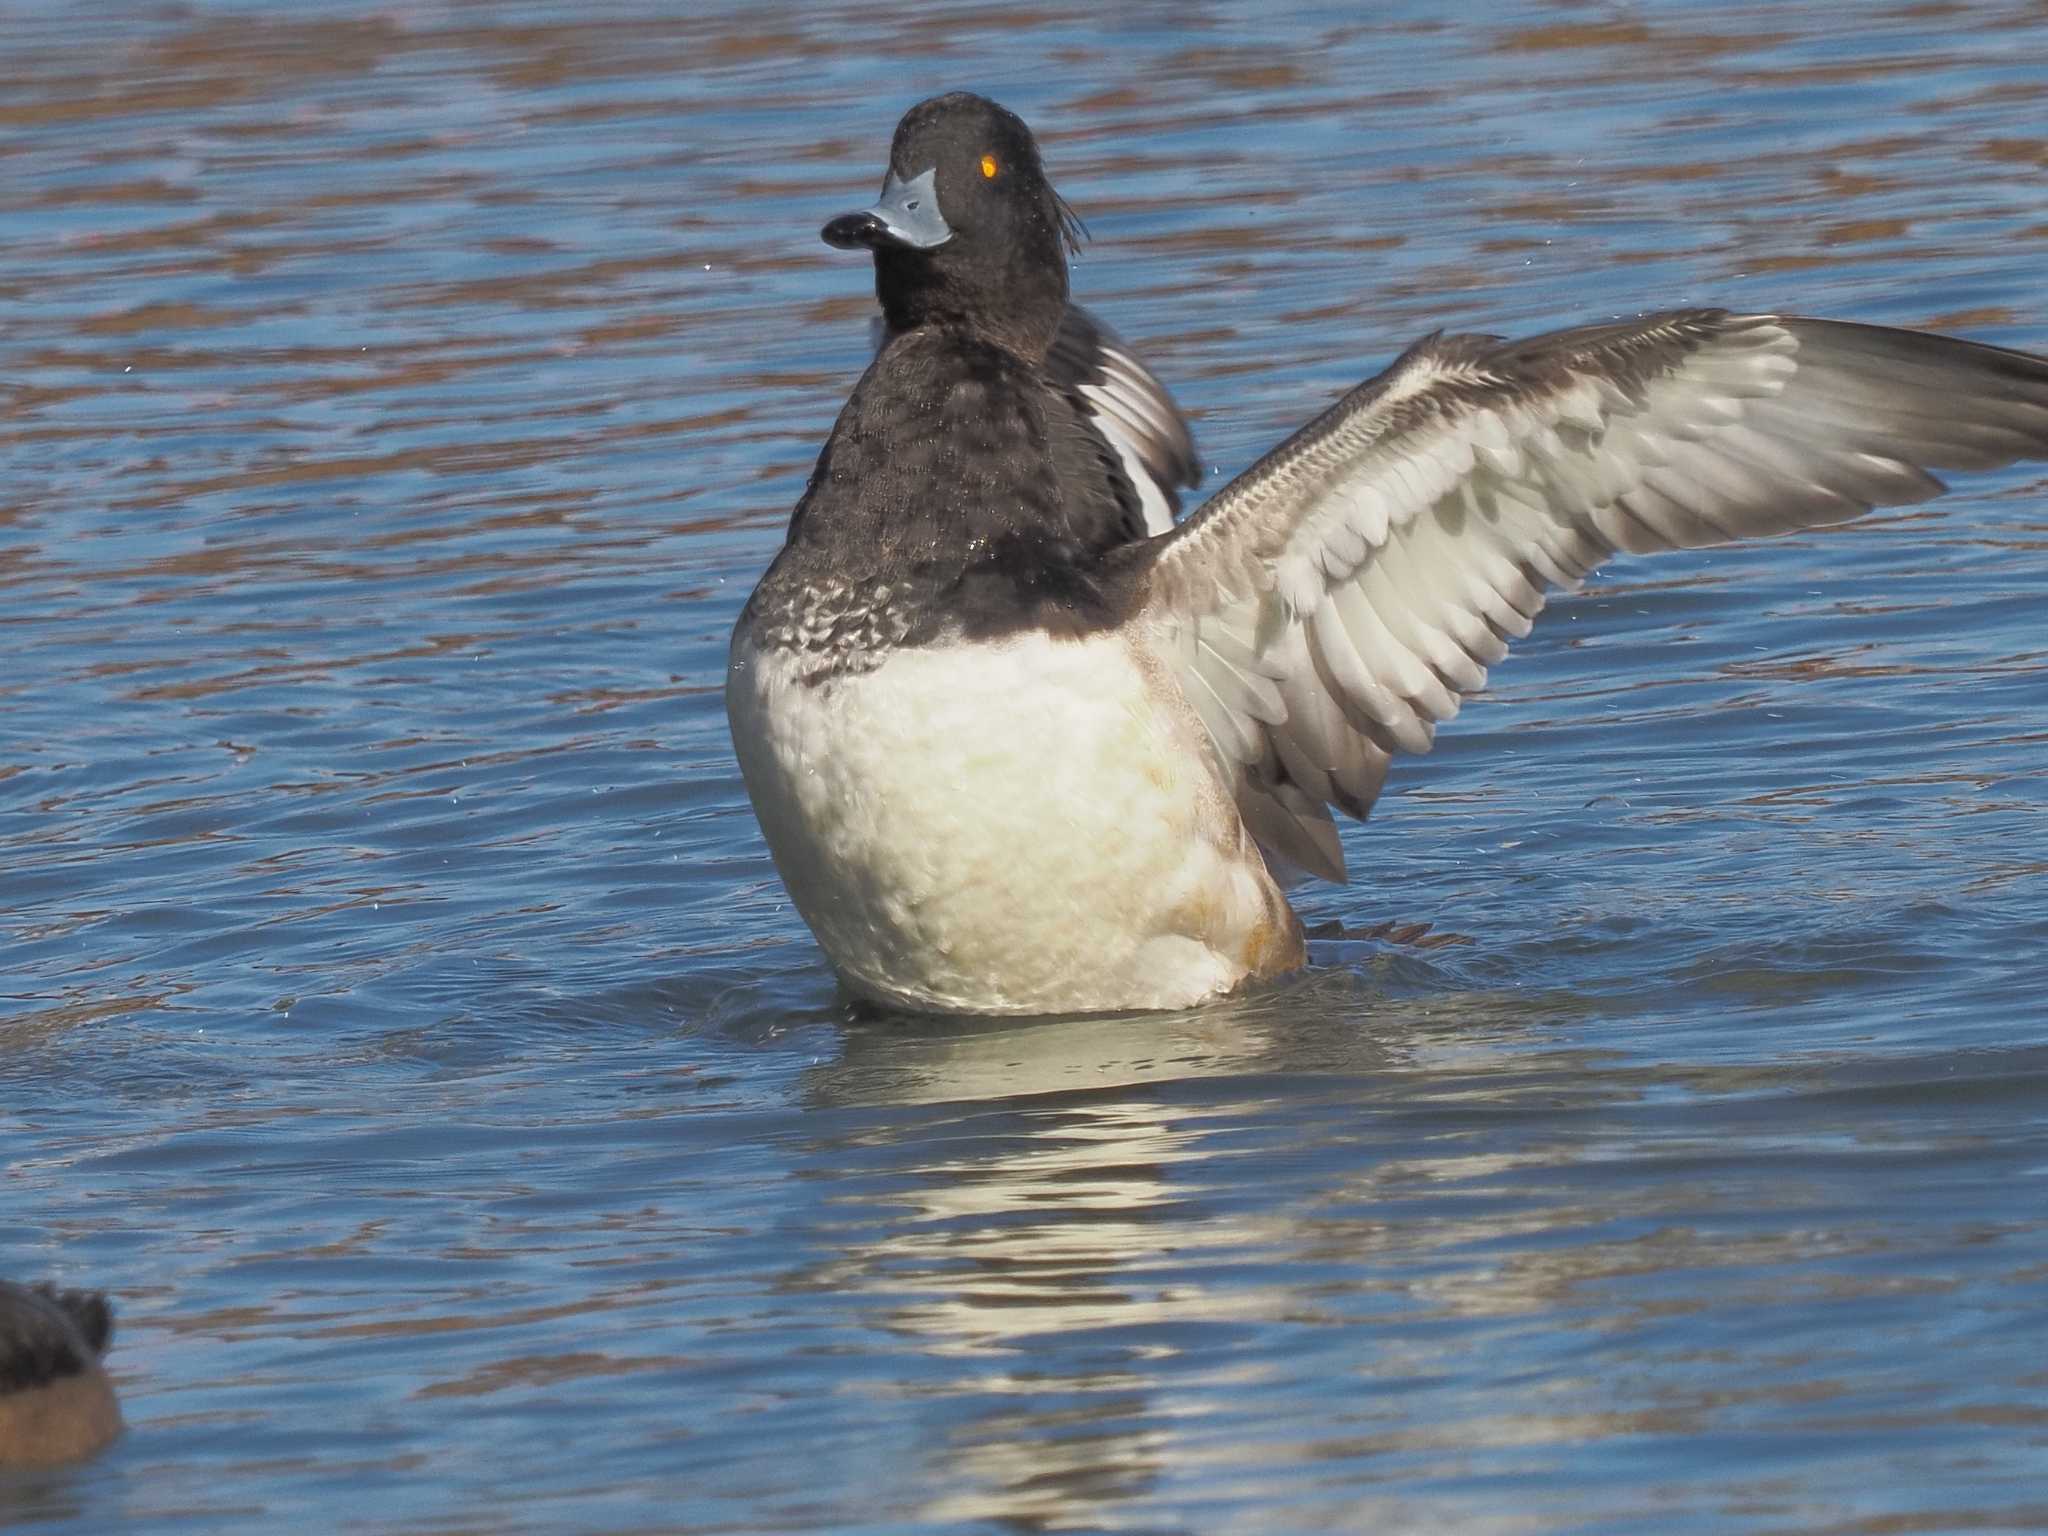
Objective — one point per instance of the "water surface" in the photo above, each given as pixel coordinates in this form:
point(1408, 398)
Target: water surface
point(399, 1014)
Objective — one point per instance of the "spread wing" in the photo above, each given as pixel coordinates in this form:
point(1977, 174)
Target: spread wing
point(1335, 603)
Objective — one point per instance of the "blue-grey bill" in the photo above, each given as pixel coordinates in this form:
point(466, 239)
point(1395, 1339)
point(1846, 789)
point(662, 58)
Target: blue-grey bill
point(907, 213)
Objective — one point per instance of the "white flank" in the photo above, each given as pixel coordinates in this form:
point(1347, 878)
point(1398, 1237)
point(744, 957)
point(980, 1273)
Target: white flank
point(1031, 825)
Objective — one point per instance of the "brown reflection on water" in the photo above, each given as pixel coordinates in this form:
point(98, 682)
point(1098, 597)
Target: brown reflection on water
point(527, 1373)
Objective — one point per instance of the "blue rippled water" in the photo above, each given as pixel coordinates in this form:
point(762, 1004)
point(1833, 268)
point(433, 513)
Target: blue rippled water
point(399, 1014)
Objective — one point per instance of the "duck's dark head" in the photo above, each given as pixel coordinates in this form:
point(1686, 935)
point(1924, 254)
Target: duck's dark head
point(968, 232)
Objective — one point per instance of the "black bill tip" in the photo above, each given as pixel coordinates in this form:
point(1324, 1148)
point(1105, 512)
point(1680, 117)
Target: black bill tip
point(856, 231)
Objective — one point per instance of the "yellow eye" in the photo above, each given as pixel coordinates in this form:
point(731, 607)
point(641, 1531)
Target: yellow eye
point(988, 167)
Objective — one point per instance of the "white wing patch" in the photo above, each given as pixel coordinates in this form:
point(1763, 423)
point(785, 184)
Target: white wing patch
point(1114, 419)
point(1134, 411)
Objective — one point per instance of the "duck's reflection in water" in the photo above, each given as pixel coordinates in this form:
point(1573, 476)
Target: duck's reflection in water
point(1067, 1212)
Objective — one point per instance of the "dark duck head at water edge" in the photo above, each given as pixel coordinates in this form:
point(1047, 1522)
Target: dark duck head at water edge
point(56, 1404)
point(1021, 743)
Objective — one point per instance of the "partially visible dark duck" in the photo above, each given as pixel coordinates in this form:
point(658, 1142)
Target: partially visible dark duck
point(56, 1404)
